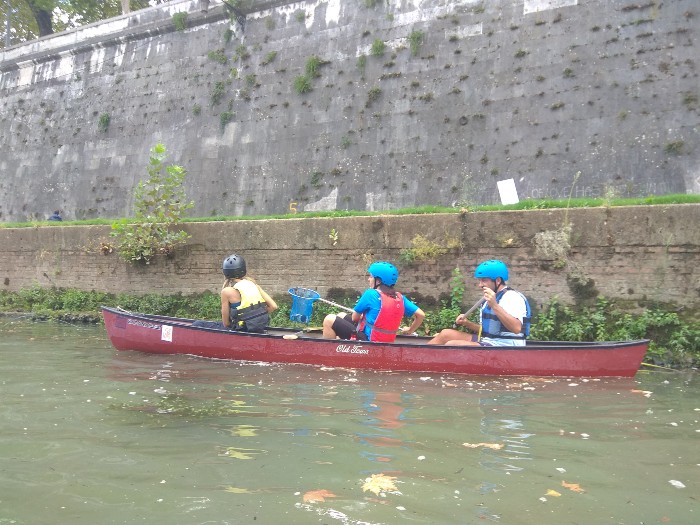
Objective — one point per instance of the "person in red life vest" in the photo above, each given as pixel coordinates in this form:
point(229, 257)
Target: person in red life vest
point(379, 311)
point(245, 306)
point(505, 313)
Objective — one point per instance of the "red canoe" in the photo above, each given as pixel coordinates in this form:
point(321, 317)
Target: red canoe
point(173, 335)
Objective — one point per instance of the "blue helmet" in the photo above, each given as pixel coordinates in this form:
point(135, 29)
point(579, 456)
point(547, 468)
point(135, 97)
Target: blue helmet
point(385, 271)
point(234, 267)
point(492, 270)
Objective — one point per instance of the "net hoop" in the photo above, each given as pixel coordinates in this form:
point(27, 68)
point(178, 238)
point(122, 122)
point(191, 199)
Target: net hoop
point(302, 304)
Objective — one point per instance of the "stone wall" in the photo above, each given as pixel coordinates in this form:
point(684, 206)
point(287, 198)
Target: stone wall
point(636, 254)
point(466, 93)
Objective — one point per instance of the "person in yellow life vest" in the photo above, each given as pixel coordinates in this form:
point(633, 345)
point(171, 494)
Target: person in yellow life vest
point(378, 312)
point(245, 306)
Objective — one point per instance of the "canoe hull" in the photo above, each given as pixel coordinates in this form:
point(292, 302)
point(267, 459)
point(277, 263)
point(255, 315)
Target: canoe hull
point(168, 335)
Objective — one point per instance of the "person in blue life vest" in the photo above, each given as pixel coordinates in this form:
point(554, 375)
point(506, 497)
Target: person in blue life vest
point(505, 313)
point(378, 313)
point(245, 306)
point(55, 216)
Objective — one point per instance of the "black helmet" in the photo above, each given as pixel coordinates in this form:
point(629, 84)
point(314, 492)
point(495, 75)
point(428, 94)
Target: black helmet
point(234, 266)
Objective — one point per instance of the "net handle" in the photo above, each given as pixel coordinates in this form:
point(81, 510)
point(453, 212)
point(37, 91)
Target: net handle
point(336, 305)
point(319, 298)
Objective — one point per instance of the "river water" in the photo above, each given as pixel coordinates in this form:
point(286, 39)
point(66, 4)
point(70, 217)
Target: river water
point(89, 435)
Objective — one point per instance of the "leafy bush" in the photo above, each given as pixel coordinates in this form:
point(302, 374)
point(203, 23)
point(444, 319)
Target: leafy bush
point(160, 204)
point(673, 342)
point(445, 316)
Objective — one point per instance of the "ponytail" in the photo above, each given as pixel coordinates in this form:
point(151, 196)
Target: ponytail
point(388, 290)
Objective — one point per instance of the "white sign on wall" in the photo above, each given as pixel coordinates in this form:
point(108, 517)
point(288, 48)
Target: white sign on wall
point(507, 191)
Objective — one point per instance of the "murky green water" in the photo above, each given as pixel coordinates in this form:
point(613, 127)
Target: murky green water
point(90, 435)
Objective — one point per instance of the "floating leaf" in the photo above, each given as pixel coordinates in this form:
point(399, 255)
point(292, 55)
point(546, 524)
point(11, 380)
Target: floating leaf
point(645, 393)
point(238, 490)
point(318, 496)
point(379, 483)
point(244, 431)
point(575, 487)
point(494, 446)
point(554, 493)
point(241, 453)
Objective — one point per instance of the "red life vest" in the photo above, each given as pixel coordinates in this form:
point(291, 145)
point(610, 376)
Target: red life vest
point(389, 318)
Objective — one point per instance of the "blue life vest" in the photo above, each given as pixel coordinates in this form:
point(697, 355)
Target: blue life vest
point(491, 326)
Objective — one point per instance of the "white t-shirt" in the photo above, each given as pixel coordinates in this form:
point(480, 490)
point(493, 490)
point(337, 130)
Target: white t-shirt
point(514, 304)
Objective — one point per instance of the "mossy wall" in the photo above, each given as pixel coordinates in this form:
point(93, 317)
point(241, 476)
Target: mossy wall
point(459, 95)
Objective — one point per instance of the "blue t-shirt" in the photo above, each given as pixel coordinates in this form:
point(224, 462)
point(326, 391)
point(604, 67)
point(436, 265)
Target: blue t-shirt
point(370, 304)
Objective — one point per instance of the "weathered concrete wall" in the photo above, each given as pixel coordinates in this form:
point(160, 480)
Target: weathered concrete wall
point(636, 254)
point(535, 90)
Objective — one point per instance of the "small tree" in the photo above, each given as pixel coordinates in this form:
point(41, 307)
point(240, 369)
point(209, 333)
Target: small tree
point(160, 203)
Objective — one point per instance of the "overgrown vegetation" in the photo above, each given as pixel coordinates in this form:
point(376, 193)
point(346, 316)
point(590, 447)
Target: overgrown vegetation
point(103, 122)
point(302, 84)
point(313, 63)
point(217, 56)
point(218, 92)
point(423, 249)
point(445, 315)
point(180, 21)
point(378, 47)
point(224, 118)
point(415, 40)
point(160, 204)
point(269, 58)
point(674, 342)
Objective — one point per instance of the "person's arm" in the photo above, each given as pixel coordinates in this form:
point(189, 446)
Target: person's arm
point(363, 305)
point(228, 295)
point(509, 322)
point(418, 317)
point(270, 303)
point(462, 320)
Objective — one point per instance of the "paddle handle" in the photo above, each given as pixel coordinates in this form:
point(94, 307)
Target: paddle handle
point(476, 305)
point(336, 304)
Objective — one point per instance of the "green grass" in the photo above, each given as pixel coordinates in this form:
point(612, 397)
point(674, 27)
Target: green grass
point(530, 204)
